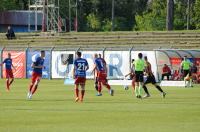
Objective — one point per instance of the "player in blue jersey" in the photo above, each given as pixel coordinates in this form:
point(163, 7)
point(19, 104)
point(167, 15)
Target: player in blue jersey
point(79, 73)
point(37, 65)
point(101, 69)
point(8, 70)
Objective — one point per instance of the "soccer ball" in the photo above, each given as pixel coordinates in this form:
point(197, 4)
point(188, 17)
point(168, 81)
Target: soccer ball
point(126, 87)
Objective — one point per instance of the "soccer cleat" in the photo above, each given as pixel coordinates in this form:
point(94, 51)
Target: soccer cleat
point(163, 94)
point(77, 99)
point(29, 96)
point(99, 94)
point(139, 96)
point(111, 92)
point(146, 96)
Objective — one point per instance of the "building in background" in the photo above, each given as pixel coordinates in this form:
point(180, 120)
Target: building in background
point(19, 21)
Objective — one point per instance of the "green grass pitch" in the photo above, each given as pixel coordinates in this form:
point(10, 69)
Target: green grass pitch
point(53, 109)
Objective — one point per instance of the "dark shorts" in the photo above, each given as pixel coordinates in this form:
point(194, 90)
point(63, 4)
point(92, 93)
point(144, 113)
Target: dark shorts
point(80, 80)
point(9, 73)
point(139, 76)
point(186, 72)
point(36, 76)
point(150, 79)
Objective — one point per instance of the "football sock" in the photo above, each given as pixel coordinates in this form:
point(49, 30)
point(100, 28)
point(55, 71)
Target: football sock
point(76, 92)
point(136, 90)
point(99, 88)
point(140, 90)
point(159, 88)
point(190, 82)
point(82, 93)
point(7, 84)
point(30, 87)
point(146, 90)
point(11, 81)
point(34, 90)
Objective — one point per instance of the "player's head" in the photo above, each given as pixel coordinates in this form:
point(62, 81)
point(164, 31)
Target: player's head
point(9, 55)
point(165, 65)
point(185, 58)
point(99, 55)
point(95, 55)
point(140, 55)
point(132, 60)
point(145, 58)
point(42, 53)
point(78, 54)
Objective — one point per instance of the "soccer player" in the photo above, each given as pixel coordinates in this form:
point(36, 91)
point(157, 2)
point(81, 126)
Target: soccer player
point(101, 69)
point(37, 65)
point(9, 72)
point(96, 74)
point(139, 67)
point(79, 74)
point(150, 79)
point(186, 65)
point(132, 75)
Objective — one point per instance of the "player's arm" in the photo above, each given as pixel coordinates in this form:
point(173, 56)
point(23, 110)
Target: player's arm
point(73, 72)
point(94, 67)
point(1, 64)
point(13, 67)
point(34, 66)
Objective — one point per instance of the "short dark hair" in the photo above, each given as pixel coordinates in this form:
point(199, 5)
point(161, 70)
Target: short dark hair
point(145, 57)
point(42, 51)
point(140, 55)
point(78, 54)
point(133, 60)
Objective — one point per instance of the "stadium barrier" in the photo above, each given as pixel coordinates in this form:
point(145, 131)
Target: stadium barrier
point(118, 61)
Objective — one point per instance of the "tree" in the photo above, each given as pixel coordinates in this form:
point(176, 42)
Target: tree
point(154, 18)
point(170, 15)
point(197, 14)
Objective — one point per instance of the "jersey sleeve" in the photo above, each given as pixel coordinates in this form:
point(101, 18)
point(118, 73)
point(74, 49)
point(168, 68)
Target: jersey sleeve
point(4, 61)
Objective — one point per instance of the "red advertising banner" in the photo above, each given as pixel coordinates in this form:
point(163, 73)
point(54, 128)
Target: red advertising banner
point(175, 61)
point(19, 62)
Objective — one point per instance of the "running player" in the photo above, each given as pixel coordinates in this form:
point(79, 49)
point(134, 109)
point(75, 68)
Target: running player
point(132, 75)
point(186, 65)
point(79, 74)
point(150, 79)
point(37, 65)
point(95, 73)
point(139, 67)
point(8, 70)
point(101, 69)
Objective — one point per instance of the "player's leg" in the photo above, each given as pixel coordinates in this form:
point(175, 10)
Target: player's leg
point(82, 92)
point(147, 81)
point(99, 88)
point(11, 77)
point(33, 79)
point(185, 77)
point(7, 84)
point(76, 89)
point(36, 85)
point(83, 80)
point(96, 84)
point(141, 80)
point(7, 80)
point(153, 81)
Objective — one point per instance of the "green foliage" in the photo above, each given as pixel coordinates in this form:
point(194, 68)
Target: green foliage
point(95, 15)
point(197, 14)
point(153, 18)
point(93, 22)
point(107, 25)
